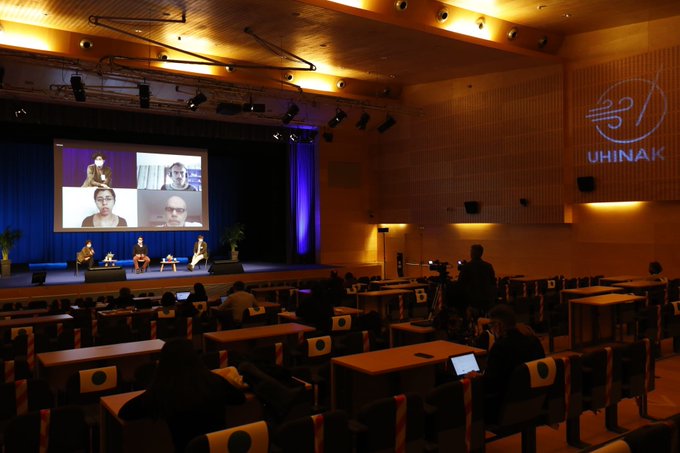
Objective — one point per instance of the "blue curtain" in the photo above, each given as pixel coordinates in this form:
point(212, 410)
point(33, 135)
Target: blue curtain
point(303, 202)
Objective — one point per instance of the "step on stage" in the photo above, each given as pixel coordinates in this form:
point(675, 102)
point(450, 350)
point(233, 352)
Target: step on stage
point(64, 283)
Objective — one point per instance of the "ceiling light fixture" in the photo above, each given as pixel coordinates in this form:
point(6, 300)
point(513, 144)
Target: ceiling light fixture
point(290, 114)
point(481, 22)
point(341, 84)
point(144, 95)
point(401, 5)
point(78, 88)
point(442, 15)
point(389, 122)
point(195, 101)
point(337, 119)
point(542, 42)
point(363, 121)
point(512, 33)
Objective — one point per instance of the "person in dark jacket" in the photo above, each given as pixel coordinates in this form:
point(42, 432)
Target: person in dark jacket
point(185, 394)
point(477, 282)
point(514, 345)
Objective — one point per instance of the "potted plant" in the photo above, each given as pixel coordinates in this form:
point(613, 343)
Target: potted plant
point(8, 239)
point(232, 235)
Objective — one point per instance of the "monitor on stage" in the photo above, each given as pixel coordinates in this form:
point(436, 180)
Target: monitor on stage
point(116, 187)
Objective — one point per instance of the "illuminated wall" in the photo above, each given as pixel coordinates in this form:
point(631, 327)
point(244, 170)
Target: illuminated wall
point(625, 119)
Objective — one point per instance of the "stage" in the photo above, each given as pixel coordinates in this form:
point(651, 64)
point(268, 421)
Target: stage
point(65, 284)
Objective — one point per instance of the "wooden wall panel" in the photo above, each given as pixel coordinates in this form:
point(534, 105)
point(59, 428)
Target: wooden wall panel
point(493, 146)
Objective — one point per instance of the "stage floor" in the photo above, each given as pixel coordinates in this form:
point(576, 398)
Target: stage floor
point(64, 283)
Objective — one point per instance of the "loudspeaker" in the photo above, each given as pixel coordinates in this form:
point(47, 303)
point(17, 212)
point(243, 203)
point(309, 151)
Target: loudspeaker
point(105, 274)
point(221, 267)
point(400, 264)
point(38, 277)
point(472, 207)
point(585, 183)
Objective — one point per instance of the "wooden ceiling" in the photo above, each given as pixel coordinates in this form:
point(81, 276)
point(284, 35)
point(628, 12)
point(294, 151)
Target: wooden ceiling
point(375, 50)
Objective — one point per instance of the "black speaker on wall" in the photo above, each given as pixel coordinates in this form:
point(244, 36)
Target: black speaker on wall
point(105, 274)
point(585, 183)
point(472, 207)
point(222, 267)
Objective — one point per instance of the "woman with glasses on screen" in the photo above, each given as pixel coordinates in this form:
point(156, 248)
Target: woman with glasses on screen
point(105, 199)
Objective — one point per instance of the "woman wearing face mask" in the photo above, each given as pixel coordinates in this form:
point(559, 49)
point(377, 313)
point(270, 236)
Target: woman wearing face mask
point(85, 255)
point(97, 174)
point(105, 199)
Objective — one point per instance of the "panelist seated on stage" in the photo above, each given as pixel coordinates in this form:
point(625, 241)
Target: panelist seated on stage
point(140, 254)
point(200, 252)
point(238, 301)
point(86, 254)
point(176, 212)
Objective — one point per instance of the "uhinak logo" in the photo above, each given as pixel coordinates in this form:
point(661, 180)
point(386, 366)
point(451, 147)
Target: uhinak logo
point(626, 113)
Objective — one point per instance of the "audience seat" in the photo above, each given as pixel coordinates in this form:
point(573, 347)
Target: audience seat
point(602, 390)
point(250, 438)
point(67, 431)
point(522, 406)
point(450, 425)
point(328, 433)
point(395, 423)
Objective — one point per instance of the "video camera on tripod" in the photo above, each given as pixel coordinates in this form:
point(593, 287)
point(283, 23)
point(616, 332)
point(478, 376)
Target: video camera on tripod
point(441, 267)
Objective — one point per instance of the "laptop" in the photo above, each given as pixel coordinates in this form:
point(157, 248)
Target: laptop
point(464, 363)
point(182, 295)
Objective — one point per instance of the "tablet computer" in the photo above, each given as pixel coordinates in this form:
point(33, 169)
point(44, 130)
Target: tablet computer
point(462, 364)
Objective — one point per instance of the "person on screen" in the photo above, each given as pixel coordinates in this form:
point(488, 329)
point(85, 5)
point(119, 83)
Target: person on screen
point(200, 252)
point(85, 255)
point(141, 253)
point(178, 174)
point(176, 213)
point(105, 199)
point(98, 175)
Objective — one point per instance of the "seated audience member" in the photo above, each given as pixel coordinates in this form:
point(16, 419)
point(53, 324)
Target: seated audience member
point(125, 299)
point(140, 252)
point(514, 345)
point(168, 300)
point(199, 294)
point(86, 254)
point(238, 301)
point(336, 288)
point(183, 392)
point(316, 310)
point(655, 269)
point(349, 280)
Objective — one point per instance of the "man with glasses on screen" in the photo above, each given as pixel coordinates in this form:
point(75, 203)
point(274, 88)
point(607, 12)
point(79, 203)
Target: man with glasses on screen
point(176, 213)
point(178, 173)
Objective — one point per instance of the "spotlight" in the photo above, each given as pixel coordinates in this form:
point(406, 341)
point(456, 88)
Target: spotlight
point(288, 77)
point(86, 44)
point(290, 114)
point(328, 137)
point(294, 137)
point(401, 5)
point(442, 15)
point(389, 122)
point(277, 135)
point(480, 23)
point(341, 84)
point(144, 95)
point(308, 137)
point(337, 119)
point(542, 42)
point(78, 88)
point(195, 101)
point(163, 55)
point(512, 33)
point(363, 121)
